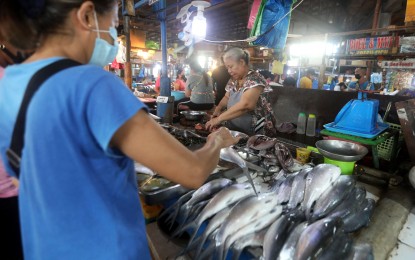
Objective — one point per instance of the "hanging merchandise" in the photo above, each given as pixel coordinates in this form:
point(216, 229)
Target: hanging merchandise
point(121, 55)
point(376, 78)
point(400, 75)
point(254, 12)
point(269, 33)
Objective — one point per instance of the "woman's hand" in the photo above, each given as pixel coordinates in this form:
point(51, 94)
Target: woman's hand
point(214, 121)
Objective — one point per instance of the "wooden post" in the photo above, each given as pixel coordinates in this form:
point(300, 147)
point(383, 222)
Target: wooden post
point(128, 10)
point(323, 65)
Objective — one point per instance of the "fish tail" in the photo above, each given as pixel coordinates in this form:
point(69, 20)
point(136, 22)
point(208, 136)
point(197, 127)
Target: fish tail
point(207, 252)
point(182, 229)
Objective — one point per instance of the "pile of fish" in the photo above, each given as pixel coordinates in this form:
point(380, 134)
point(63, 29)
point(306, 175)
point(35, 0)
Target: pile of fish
point(274, 154)
point(309, 214)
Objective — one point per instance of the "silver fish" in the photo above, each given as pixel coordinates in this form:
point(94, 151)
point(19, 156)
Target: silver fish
point(244, 212)
point(223, 199)
point(318, 180)
point(284, 190)
point(230, 155)
point(288, 250)
point(340, 248)
point(348, 206)
point(260, 142)
point(298, 188)
point(275, 237)
point(333, 196)
point(205, 192)
point(360, 217)
point(213, 225)
point(315, 236)
point(251, 240)
point(266, 220)
point(176, 206)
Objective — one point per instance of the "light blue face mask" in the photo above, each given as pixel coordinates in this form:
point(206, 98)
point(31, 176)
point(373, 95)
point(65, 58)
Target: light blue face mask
point(104, 52)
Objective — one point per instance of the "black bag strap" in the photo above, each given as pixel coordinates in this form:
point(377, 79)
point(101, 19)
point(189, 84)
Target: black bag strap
point(14, 152)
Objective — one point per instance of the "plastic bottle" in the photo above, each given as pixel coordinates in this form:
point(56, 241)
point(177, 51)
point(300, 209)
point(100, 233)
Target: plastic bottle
point(301, 123)
point(311, 125)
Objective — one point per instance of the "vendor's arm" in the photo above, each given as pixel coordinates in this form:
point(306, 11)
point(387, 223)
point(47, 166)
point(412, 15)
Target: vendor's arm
point(222, 105)
point(143, 140)
point(247, 103)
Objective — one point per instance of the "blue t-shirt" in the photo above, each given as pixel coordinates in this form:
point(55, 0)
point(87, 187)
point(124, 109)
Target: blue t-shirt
point(78, 197)
point(354, 84)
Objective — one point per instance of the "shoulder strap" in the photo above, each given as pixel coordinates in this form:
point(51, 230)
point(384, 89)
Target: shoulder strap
point(15, 151)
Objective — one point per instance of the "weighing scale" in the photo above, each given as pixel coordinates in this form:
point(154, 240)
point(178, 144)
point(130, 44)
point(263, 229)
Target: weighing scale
point(358, 118)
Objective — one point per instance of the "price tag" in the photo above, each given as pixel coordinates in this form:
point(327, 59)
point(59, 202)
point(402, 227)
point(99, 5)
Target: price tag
point(162, 99)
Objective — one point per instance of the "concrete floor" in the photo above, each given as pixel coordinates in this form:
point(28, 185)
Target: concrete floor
point(388, 221)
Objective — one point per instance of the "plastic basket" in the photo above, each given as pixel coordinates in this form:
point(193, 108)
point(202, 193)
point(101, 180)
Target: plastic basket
point(385, 148)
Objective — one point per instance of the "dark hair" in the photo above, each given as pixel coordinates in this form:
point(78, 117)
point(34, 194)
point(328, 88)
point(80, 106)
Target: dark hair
point(195, 66)
point(311, 72)
point(289, 82)
point(24, 22)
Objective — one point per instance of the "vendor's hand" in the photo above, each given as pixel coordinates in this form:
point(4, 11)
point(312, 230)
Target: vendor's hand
point(216, 114)
point(224, 137)
point(214, 121)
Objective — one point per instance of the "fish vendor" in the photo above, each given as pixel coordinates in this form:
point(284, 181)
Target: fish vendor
point(245, 101)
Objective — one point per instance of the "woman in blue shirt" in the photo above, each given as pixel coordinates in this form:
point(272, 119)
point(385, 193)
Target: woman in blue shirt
point(78, 193)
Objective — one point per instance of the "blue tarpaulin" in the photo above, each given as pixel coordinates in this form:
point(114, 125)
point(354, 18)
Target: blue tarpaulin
point(271, 12)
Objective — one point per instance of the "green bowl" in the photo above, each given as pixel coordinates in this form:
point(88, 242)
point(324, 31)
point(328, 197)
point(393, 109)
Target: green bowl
point(347, 168)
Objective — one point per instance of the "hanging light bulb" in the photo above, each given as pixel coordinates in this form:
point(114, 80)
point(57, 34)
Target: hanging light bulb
point(199, 26)
point(199, 21)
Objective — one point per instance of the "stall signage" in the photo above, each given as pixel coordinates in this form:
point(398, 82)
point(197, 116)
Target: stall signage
point(404, 64)
point(162, 99)
point(372, 45)
point(150, 2)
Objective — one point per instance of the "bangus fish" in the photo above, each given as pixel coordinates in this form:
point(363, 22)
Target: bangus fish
point(206, 191)
point(333, 196)
point(316, 236)
point(251, 240)
point(267, 218)
point(318, 180)
point(230, 155)
point(243, 213)
point(223, 199)
point(288, 250)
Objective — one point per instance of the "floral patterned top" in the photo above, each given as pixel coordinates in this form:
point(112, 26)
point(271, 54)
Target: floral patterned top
point(259, 121)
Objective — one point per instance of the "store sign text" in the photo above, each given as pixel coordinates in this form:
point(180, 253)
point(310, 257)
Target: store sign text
point(398, 64)
point(375, 45)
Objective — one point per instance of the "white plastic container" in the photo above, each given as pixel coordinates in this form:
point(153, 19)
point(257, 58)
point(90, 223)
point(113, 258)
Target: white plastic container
point(301, 123)
point(311, 125)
